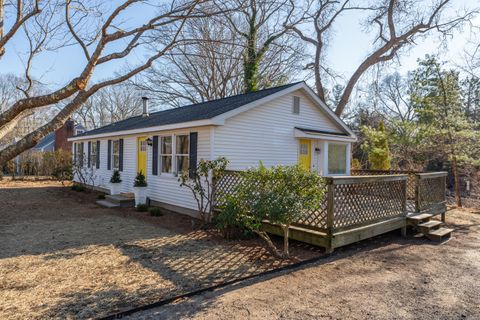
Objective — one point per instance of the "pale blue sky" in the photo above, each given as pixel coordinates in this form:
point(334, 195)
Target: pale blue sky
point(349, 46)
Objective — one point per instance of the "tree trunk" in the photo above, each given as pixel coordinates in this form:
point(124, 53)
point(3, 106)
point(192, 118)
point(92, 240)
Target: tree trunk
point(271, 246)
point(12, 124)
point(456, 179)
point(318, 79)
point(2, 25)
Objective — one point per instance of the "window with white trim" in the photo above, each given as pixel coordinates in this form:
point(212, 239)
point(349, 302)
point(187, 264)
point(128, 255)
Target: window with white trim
point(116, 154)
point(93, 154)
point(337, 158)
point(166, 154)
point(182, 146)
point(80, 154)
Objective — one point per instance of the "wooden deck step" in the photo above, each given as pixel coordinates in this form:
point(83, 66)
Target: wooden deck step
point(108, 204)
point(429, 226)
point(440, 234)
point(419, 218)
point(121, 200)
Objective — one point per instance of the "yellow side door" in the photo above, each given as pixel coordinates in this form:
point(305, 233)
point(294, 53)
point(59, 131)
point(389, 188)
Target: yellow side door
point(305, 154)
point(142, 155)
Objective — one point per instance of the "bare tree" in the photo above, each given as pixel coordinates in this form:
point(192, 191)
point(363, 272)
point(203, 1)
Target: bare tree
point(163, 28)
point(263, 26)
point(210, 63)
point(206, 66)
point(22, 12)
point(397, 25)
point(109, 105)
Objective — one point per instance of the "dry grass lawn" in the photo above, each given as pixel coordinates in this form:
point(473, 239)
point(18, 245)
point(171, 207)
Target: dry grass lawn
point(62, 256)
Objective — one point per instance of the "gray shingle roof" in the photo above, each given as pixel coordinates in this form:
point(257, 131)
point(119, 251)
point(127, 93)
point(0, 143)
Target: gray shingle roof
point(48, 139)
point(199, 111)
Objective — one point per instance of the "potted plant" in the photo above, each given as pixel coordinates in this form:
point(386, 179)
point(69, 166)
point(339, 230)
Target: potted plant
point(115, 181)
point(140, 189)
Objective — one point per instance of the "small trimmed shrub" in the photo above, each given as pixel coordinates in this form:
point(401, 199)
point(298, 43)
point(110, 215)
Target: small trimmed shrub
point(78, 188)
point(101, 196)
point(115, 177)
point(142, 208)
point(140, 180)
point(155, 211)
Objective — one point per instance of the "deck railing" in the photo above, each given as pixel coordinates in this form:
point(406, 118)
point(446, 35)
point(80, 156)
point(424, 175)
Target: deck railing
point(426, 191)
point(349, 202)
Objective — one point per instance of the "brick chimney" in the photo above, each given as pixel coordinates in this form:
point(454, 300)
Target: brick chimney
point(62, 134)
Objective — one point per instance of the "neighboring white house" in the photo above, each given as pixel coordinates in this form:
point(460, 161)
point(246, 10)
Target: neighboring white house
point(284, 125)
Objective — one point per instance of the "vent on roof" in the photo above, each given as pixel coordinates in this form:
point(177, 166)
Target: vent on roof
point(296, 105)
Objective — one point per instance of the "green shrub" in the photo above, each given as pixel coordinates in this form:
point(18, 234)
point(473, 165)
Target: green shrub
point(228, 221)
point(279, 194)
point(140, 180)
point(155, 211)
point(115, 177)
point(142, 208)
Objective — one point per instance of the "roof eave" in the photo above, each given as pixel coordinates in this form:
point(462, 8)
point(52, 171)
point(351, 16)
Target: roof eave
point(174, 126)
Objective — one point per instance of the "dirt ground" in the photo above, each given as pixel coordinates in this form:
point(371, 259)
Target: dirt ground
point(62, 256)
point(382, 278)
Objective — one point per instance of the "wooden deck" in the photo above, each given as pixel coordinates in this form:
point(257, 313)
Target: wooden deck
point(363, 206)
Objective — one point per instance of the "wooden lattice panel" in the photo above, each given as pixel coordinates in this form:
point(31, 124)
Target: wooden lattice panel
point(226, 186)
point(357, 204)
point(317, 218)
point(411, 182)
point(431, 191)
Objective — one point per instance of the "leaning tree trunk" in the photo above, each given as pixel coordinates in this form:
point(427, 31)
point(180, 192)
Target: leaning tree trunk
point(271, 246)
point(456, 179)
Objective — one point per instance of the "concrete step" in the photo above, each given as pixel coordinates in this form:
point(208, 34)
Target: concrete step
point(121, 200)
point(429, 226)
point(419, 218)
point(439, 234)
point(108, 204)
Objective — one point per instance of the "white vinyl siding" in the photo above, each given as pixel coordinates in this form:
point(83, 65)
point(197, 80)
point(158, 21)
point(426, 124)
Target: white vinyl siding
point(266, 133)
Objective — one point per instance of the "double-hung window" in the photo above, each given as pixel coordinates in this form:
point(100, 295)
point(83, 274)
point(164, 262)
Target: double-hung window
point(182, 152)
point(166, 153)
point(93, 154)
point(80, 154)
point(116, 154)
point(337, 158)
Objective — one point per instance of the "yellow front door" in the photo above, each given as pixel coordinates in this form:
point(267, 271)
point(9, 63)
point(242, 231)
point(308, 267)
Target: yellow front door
point(142, 155)
point(305, 154)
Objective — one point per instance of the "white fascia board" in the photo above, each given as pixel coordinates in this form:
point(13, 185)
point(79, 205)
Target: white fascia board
point(191, 124)
point(323, 136)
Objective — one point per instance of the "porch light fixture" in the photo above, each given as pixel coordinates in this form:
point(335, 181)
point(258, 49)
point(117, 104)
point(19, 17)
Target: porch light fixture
point(149, 141)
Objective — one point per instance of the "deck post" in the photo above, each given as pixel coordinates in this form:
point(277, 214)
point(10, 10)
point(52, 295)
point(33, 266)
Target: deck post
point(330, 207)
point(444, 186)
point(417, 193)
point(404, 207)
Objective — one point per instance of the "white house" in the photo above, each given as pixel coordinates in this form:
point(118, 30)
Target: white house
point(284, 125)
